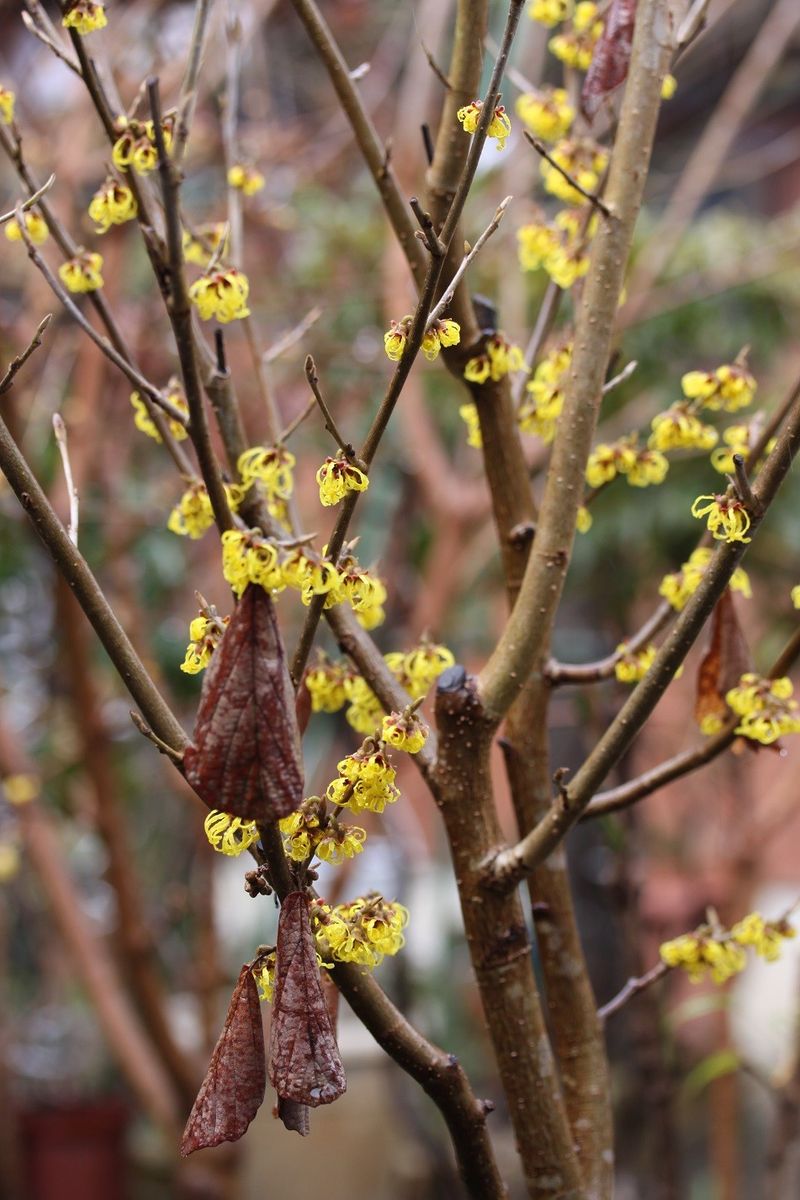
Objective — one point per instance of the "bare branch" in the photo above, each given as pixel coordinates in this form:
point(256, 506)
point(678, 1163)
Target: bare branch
point(542, 150)
point(470, 255)
point(7, 381)
point(632, 988)
point(60, 430)
point(29, 203)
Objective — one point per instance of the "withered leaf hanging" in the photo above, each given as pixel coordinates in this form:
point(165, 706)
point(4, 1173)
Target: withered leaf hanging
point(304, 1062)
point(724, 663)
point(245, 758)
point(294, 1116)
point(233, 1089)
point(611, 58)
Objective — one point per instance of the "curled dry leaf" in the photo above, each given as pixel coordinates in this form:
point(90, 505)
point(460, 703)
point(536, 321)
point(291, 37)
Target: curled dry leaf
point(245, 757)
point(611, 58)
point(725, 661)
point(233, 1089)
point(304, 1062)
point(294, 1116)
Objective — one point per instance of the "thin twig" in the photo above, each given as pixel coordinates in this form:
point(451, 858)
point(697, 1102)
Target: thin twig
point(426, 232)
point(621, 378)
point(742, 484)
point(29, 203)
point(138, 380)
point(313, 382)
point(7, 381)
point(603, 668)
point(434, 66)
point(188, 97)
point(632, 988)
point(39, 24)
point(60, 430)
point(292, 337)
point(449, 292)
point(294, 425)
point(541, 149)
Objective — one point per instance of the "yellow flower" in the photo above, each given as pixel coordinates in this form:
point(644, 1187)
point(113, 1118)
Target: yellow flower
point(575, 48)
point(246, 179)
point(365, 593)
point(366, 780)
point(84, 17)
point(727, 518)
point(737, 441)
point(272, 466)
point(550, 12)
point(9, 861)
point(205, 634)
point(500, 358)
point(441, 333)
point(608, 460)
point(336, 477)
point(82, 273)
point(547, 113)
point(311, 831)
point(583, 519)
point(193, 514)
point(535, 243)
point(499, 126)
point(680, 429)
point(650, 467)
point(469, 415)
point(144, 422)
point(795, 594)
point(730, 387)
point(583, 160)
point(264, 975)
point(200, 247)
point(248, 557)
point(680, 585)
point(325, 684)
point(668, 87)
point(362, 931)
point(35, 226)
point(631, 667)
point(544, 399)
point(364, 710)
point(7, 99)
point(766, 938)
point(228, 834)
point(404, 732)
point(704, 950)
point(112, 204)
point(222, 294)
point(20, 789)
point(395, 338)
point(423, 665)
point(765, 708)
point(136, 145)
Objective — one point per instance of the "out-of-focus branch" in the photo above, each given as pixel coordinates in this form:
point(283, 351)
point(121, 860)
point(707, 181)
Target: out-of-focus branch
point(558, 672)
point(7, 381)
point(188, 99)
point(631, 989)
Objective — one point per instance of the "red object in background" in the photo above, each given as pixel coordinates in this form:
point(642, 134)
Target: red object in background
point(74, 1153)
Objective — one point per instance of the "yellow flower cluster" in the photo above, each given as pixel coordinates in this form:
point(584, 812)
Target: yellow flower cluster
point(326, 685)
point(720, 951)
point(583, 160)
point(500, 358)
point(364, 710)
point(677, 587)
point(312, 831)
point(441, 333)
point(112, 204)
point(363, 931)
point(7, 99)
point(561, 248)
point(547, 113)
point(272, 467)
point(247, 557)
point(631, 667)
point(727, 518)
point(765, 708)
point(228, 834)
point(222, 294)
point(469, 415)
point(680, 429)
point(365, 593)
point(35, 227)
point(550, 12)
point(205, 634)
point(737, 441)
point(246, 179)
point(499, 126)
point(336, 477)
point(136, 145)
point(193, 514)
point(575, 47)
point(641, 466)
point(544, 399)
point(729, 387)
point(404, 731)
point(200, 246)
point(84, 17)
point(418, 669)
point(143, 421)
point(82, 273)
point(366, 780)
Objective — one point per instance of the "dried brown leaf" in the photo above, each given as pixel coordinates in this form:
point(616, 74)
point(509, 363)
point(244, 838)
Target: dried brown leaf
point(245, 758)
point(233, 1089)
point(725, 661)
point(294, 1116)
point(611, 58)
point(304, 1062)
